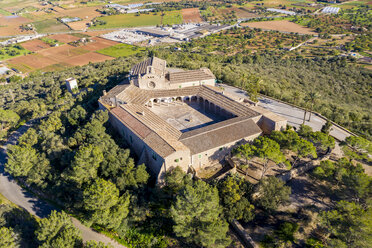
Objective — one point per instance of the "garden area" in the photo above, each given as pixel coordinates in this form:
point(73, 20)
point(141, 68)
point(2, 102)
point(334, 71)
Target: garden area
point(121, 50)
point(11, 51)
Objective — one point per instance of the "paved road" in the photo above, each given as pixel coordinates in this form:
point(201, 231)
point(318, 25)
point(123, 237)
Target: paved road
point(293, 115)
point(19, 196)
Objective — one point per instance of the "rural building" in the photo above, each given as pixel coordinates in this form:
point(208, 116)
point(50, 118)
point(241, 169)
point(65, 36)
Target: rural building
point(171, 117)
point(71, 84)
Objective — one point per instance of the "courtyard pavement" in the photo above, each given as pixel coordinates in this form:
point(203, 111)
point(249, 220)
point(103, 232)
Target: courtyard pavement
point(293, 115)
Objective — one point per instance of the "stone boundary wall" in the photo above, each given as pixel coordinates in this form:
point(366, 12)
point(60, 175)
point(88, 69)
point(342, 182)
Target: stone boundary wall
point(247, 240)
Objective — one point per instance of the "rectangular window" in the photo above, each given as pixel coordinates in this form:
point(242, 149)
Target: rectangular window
point(154, 156)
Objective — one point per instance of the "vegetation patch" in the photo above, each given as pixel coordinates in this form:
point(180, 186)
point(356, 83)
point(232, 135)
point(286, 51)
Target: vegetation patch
point(49, 26)
point(127, 20)
point(172, 17)
point(12, 51)
point(121, 50)
point(51, 42)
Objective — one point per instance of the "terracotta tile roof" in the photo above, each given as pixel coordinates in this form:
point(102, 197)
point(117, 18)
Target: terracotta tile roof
point(219, 134)
point(159, 145)
point(151, 138)
point(130, 121)
point(151, 120)
point(226, 103)
point(190, 76)
point(141, 68)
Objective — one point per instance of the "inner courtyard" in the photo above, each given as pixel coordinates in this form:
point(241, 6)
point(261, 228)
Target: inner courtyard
point(186, 116)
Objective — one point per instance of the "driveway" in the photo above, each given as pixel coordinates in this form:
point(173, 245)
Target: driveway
point(293, 115)
point(19, 196)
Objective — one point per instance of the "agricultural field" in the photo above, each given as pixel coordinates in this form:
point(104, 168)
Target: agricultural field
point(50, 26)
point(45, 57)
point(121, 50)
point(128, 20)
point(35, 45)
point(9, 25)
point(281, 25)
point(172, 17)
point(138, 20)
point(191, 15)
point(12, 51)
point(98, 44)
point(65, 38)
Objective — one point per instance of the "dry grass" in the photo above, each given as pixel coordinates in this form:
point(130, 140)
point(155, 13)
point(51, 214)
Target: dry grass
point(65, 38)
point(282, 25)
point(191, 15)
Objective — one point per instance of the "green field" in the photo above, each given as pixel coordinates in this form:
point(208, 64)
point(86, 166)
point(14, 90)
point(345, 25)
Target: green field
point(12, 51)
point(172, 17)
point(4, 12)
point(128, 20)
point(121, 50)
point(134, 20)
point(50, 26)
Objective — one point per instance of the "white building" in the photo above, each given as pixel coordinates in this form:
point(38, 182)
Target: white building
point(71, 84)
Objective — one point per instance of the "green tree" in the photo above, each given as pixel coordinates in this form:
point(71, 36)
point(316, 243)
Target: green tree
point(29, 138)
point(326, 128)
point(268, 150)
point(322, 140)
point(20, 160)
point(7, 239)
point(197, 216)
point(175, 180)
point(304, 149)
point(85, 164)
point(234, 192)
point(348, 223)
point(76, 116)
point(100, 195)
point(51, 124)
point(271, 192)
point(359, 144)
point(57, 230)
point(305, 131)
point(8, 118)
point(112, 217)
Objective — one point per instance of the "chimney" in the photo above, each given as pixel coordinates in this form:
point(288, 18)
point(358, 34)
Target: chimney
point(104, 92)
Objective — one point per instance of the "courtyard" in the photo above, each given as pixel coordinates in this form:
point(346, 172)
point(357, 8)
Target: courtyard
point(186, 116)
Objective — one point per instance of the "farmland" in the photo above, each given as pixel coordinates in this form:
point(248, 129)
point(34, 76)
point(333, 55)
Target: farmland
point(121, 50)
point(35, 45)
point(128, 20)
point(281, 25)
point(49, 58)
point(135, 20)
point(12, 51)
point(50, 26)
point(172, 17)
point(191, 15)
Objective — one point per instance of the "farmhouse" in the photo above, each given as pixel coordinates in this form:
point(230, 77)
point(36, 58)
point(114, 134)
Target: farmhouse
point(171, 117)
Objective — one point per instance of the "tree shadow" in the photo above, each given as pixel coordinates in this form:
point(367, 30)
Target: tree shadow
point(22, 223)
